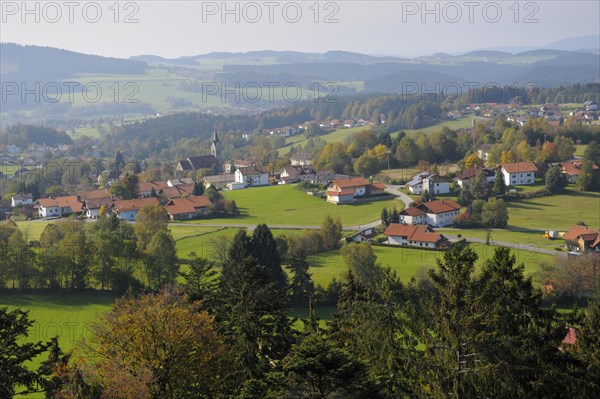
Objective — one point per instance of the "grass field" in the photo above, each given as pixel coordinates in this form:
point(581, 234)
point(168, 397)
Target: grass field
point(529, 238)
point(461, 123)
point(337, 135)
point(407, 261)
point(409, 172)
point(285, 205)
point(555, 212)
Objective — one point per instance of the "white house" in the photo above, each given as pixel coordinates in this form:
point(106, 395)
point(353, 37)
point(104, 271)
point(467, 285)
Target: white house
point(413, 235)
point(436, 213)
point(415, 185)
point(60, 206)
point(412, 215)
point(518, 173)
point(48, 207)
point(252, 176)
point(188, 208)
point(342, 191)
point(128, 209)
point(92, 206)
point(435, 184)
point(21, 200)
point(466, 177)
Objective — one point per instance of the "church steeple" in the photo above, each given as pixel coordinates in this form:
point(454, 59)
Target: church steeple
point(215, 147)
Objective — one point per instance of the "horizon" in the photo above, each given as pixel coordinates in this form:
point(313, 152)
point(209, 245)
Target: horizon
point(502, 49)
point(126, 29)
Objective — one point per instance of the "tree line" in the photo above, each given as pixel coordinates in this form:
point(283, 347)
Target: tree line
point(449, 332)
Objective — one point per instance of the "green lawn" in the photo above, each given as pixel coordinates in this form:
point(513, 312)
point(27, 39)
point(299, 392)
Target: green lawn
point(530, 238)
point(558, 212)
point(337, 135)
point(67, 315)
point(407, 261)
point(461, 123)
point(287, 206)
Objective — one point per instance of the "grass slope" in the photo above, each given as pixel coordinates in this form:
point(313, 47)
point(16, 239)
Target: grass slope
point(285, 205)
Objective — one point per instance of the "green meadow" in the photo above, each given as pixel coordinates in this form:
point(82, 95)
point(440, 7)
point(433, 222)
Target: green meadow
point(287, 206)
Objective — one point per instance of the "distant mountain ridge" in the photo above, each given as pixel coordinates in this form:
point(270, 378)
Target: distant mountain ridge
point(37, 63)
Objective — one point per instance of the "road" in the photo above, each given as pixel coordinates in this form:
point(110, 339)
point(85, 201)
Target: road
point(399, 195)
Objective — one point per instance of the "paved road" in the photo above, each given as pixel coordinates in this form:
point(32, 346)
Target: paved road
point(399, 195)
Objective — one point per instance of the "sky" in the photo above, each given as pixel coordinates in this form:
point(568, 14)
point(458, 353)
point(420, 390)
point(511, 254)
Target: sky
point(399, 28)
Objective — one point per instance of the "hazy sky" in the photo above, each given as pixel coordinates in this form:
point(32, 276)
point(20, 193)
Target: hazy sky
point(402, 28)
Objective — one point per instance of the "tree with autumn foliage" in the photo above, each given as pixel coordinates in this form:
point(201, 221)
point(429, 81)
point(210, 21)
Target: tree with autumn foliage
point(156, 346)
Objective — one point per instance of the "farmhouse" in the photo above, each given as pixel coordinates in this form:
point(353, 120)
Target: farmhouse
point(412, 215)
point(440, 213)
point(145, 188)
point(414, 235)
point(252, 176)
point(571, 169)
point(415, 185)
point(219, 181)
point(92, 206)
point(582, 239)
point(364, 235)
point(60, 206)
point(177, 192)
point(128, 209)
point(188, 208)
point(437, 213)
point(231, 166)
point(518, 173)
point(465, 178)
point(343, 191)
point(21, 200)
point(434, 184)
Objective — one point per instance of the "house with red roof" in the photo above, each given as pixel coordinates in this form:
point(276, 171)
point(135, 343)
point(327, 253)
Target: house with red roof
point(345, 191)
point(128, 209)
point(414, 235)
point(571, 169)
point(582, 239)
point(518, 173)
point(436, 213)
point(60, 206)
point(190, 207)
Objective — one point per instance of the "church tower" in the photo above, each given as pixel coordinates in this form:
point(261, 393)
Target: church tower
point(215, 147)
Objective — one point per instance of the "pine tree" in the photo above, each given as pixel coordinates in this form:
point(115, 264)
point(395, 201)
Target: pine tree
point(385, 219)
point(394, 216)
point(499, 188)
point(264, 249)
point(302, 284)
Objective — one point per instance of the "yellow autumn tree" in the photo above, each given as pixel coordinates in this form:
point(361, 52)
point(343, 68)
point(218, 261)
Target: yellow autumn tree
point(156, 344)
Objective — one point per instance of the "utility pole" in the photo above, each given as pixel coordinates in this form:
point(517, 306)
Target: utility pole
point(388, 152)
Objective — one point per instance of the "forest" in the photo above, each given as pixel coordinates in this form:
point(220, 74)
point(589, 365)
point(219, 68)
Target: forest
point(224, 331)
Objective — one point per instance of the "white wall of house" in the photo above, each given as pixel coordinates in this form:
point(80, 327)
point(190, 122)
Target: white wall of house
point(397, 240)
point(416, 189)
point(360, 191)
point(50, 211)
point(441, 219)
point(21, 202)
point(412, 219)
point(520, 178)
point(92, 213)
point(261, 179)
point(436, 188)
point(128, 215)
